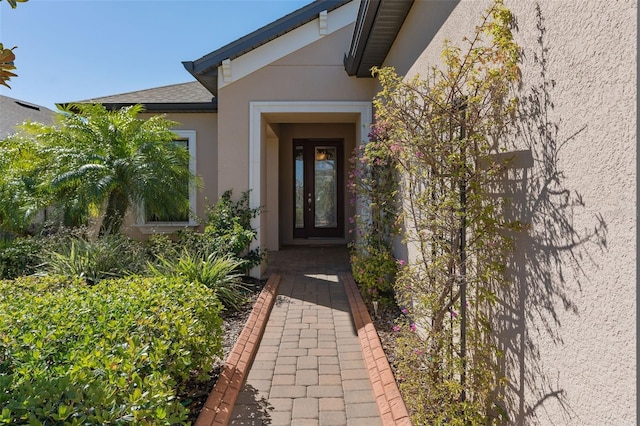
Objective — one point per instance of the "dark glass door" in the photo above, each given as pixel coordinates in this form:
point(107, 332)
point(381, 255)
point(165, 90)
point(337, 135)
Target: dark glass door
point(318, 188)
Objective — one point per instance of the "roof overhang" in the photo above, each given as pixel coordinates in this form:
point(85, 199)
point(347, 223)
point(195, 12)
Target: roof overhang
point(377, 26)
point(164, 106)
point(205, 69)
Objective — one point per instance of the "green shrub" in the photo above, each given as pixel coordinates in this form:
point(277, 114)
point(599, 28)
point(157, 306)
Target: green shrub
point(20, 256)
point(111, 353)
point(217, 273)
point(160, 245)
point(374, 269)
point(229, 228)
point(109, 256)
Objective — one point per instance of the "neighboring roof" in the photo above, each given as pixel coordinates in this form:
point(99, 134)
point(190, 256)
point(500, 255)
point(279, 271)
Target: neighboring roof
point(14, 112)
point(377, 26)
point(205, 69)
point(183, 97)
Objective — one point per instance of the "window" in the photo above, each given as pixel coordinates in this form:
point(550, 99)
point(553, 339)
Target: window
point(153, 223)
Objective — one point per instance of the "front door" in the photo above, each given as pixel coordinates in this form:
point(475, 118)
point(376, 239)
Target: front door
point(318, 188)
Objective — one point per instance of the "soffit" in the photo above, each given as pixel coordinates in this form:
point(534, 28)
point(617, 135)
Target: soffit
point(377, 26)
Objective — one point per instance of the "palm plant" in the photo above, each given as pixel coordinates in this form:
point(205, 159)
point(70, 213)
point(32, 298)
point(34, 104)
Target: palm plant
point(110, 161)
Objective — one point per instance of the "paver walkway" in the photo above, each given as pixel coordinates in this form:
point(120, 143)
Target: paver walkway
point(309, 368)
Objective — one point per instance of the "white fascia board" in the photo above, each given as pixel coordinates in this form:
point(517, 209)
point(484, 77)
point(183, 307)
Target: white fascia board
point(287, 43)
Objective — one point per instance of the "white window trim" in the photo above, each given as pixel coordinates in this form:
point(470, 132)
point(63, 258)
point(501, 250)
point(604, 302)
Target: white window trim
point(169, 227)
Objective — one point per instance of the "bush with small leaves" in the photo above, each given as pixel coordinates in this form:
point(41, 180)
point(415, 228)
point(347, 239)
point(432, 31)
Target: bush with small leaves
point(115, 352)
point(19, 256)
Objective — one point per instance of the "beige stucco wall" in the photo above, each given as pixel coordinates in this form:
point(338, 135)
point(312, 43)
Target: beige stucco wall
point(570, 335)
point(291, 131)
point(206, 127)
point(313, 73)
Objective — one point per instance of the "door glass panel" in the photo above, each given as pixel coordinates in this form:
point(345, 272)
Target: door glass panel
point(299, 185)
point(326, 185)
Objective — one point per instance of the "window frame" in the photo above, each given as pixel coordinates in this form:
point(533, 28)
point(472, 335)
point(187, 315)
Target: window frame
point(150, 227)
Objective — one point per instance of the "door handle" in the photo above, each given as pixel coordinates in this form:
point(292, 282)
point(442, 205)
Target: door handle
point(309, 200)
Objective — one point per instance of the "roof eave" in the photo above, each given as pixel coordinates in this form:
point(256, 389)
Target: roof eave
point(205, 69)
point(378, 20)
point(157, 107)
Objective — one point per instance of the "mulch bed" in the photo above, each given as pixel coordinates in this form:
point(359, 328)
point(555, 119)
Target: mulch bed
point(387, 317)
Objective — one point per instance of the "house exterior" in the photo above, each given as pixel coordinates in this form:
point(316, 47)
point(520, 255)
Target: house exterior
point(280, 110)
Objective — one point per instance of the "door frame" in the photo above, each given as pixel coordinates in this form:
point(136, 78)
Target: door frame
point(309, 230)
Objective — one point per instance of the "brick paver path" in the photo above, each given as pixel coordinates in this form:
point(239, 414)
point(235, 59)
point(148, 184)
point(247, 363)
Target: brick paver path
point(309, 368)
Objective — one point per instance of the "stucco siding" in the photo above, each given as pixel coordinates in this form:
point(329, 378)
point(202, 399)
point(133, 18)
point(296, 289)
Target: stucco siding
point(314, 73)
point(574, 360)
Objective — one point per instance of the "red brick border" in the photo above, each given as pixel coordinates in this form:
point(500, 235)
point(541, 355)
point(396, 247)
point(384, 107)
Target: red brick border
point(390, 403)
point(219, 405)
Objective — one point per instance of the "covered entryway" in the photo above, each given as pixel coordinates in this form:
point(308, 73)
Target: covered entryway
point(298, 154)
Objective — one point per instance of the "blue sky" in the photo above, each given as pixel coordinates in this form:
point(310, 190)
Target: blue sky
point(71, 50)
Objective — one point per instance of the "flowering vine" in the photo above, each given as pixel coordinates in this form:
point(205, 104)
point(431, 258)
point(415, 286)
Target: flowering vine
point(432, 153)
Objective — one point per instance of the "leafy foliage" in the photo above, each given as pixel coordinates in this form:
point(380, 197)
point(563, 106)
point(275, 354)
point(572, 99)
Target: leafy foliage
point(7, 58)
point(374, 183)
point(227, 231)
point(110, 256)
point(19, 256)
point(112, 353)
point(217, 273)
point(441, 134)
point(94, 160)
point(375, 272)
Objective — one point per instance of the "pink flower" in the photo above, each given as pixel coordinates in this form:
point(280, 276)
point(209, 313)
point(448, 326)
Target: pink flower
point(396, 328)
point(380, 280)
point(396, 147)
point(417, 352)
point(454, 314)
point(401, 262)
point(405, 311)
point(418, 154)
point(351, 219)
point(412, 327)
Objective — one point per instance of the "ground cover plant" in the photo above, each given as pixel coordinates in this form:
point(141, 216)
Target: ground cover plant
point(441, 134)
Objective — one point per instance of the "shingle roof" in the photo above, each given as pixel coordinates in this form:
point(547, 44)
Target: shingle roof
point(14, 112)
point(183, 97)
point(191, 92)
point(205, 69)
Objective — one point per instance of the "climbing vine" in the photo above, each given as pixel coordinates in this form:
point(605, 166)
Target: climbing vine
point(442, 132)
point(373, 182)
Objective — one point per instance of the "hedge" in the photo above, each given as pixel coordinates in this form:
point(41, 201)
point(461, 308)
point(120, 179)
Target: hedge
point(111, 353)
